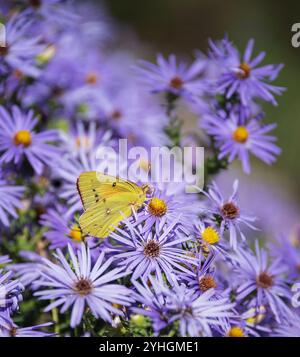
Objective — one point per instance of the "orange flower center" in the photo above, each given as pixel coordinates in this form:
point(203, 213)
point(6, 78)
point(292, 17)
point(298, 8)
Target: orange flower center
point(236, 331)
point(22, 137)
point(91, 78)
point(240, 134)
point(207, 282)
point(75, 233)
point(245, 70)
point(157, 207)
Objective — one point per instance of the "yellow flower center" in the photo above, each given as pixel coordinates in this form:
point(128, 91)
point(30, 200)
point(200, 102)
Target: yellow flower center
point(157, 207)
point(22, 137)
point(75, 233)
point(236, 331)
point(245, 70)
point(210, 235)
point(251, 320)
point(240, 134)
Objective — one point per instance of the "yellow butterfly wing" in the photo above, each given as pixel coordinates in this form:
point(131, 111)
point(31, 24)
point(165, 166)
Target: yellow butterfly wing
point(106, 200)
point(103, 217)
point(94, 186)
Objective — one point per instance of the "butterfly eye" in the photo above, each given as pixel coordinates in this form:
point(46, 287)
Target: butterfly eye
point(114, 184)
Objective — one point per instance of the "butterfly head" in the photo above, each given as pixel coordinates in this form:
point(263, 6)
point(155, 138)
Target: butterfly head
point(147, 189)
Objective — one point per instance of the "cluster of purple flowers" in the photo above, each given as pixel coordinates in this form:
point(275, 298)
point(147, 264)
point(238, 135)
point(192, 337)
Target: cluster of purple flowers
point(183, 264)
point(10, 297)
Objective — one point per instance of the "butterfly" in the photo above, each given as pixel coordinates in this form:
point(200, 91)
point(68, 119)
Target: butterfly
point(107, 200)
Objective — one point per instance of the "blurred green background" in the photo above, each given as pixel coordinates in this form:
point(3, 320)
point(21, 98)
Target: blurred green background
point(181, 26)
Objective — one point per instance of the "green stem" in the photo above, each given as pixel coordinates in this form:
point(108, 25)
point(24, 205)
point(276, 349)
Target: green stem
point(55, 319)
point(213, 165)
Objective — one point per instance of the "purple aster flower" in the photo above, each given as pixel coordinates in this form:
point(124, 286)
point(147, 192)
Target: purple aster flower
point(169, 202)
point(128, 110)
point(80, 284)
point(282, 203)
point(9, 329)
point(18, 140)
point(242, 76)
point(147, 253)
point(202, 277)
point(229, 213)
point(76, 86)
point(245, 324)
point(61, 230)
point(12, 84)
point(234, 139)
point(209, 238)
point(170, 76)
point(262, 281)
point(83, 101)
point(10, 293)
point(10, 199)
point(217, 52)
point(197, 316)
point(21, 49)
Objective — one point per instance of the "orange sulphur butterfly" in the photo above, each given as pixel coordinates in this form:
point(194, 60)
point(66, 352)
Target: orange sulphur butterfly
point(107, 200)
